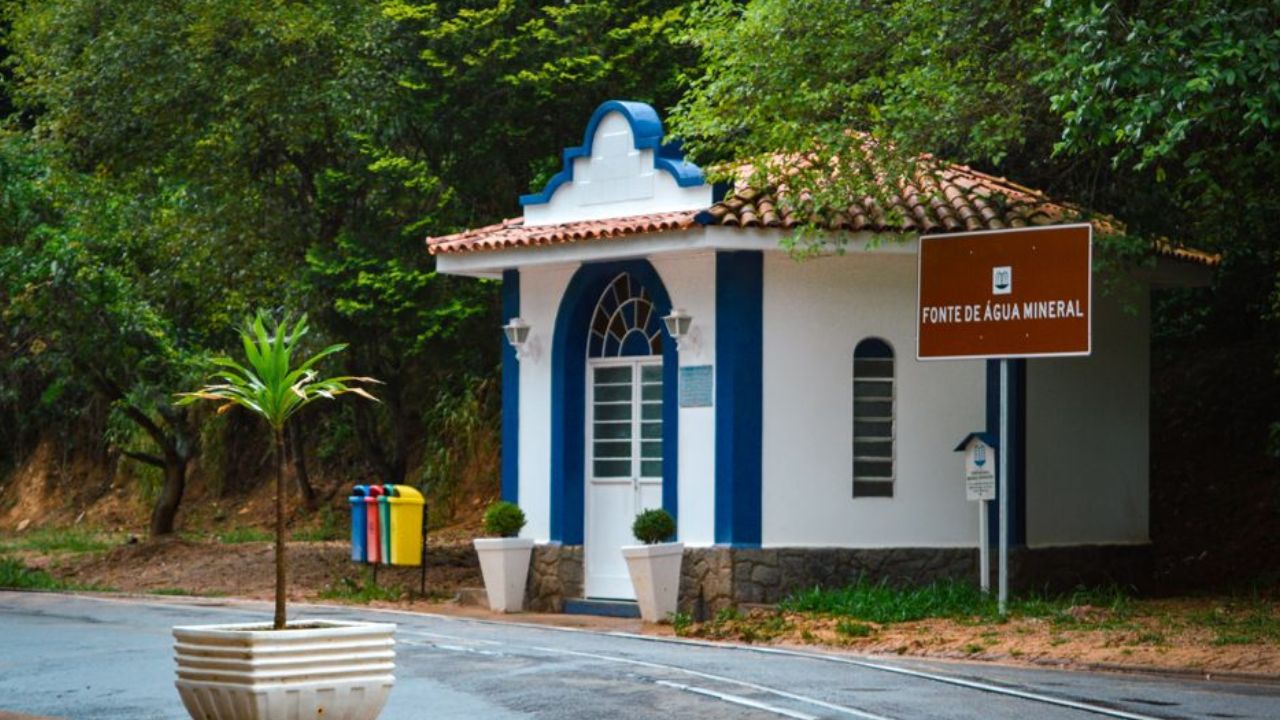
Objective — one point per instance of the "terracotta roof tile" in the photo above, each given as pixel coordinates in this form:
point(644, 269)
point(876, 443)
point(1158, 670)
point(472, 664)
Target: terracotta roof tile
point(955, 198)
point(513, 232)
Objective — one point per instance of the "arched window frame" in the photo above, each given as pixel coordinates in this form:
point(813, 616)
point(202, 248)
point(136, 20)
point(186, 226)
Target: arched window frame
point(624, 308)
point(874, 438)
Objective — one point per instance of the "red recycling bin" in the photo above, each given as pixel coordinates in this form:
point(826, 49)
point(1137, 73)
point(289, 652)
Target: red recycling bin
point(373, 525)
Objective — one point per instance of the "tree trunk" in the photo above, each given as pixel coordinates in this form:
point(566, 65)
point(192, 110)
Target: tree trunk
point(280, 559)
point(299, 464)
point(175, 484)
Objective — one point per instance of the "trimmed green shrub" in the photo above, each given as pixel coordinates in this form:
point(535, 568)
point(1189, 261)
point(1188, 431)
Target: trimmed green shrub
point(503, 519)
point(654, 526)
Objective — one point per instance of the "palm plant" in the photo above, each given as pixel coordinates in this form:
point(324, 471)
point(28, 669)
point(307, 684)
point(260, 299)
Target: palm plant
point(272, 388)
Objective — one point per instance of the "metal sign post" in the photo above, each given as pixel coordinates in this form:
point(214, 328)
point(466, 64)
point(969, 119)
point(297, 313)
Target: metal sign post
point(1003, 495)
point(984, 549)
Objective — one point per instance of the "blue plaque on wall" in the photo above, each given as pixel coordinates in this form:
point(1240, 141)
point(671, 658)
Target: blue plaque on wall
point(696, 386)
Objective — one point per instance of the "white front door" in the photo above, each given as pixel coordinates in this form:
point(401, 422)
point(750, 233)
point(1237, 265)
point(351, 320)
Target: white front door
point(624, 465)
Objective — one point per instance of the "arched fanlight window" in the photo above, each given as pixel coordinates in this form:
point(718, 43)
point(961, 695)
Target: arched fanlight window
point(873, 419)
point(625, 323)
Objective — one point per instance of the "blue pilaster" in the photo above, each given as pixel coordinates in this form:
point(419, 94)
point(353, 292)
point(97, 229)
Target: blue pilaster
point(738, 397)
point(510, 392)
point(1017, 448)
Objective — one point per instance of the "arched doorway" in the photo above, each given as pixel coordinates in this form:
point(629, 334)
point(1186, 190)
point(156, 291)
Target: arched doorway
point(624, 429)
point(614, 415)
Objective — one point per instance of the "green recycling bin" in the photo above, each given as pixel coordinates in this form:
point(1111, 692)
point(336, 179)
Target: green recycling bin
point(406, 526)
point(384, 519)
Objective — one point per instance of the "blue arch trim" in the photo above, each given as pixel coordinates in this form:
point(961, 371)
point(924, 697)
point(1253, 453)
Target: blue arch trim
point(646, 129)
point(568, 394)
point(510, 392)
point(739, 398)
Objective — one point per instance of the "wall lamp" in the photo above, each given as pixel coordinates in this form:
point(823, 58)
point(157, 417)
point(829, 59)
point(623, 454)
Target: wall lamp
point(679, 326)
point(517, 332)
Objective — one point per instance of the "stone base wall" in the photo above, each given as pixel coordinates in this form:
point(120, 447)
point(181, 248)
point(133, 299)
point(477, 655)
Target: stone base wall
point(555, 573)
point(715, 578)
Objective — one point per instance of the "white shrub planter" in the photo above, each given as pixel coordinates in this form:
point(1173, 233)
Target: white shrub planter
point(655, 575)
point(321, 669)
point(504, 562)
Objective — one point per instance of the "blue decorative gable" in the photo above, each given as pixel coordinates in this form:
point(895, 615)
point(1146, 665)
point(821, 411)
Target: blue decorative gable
point(622, 168)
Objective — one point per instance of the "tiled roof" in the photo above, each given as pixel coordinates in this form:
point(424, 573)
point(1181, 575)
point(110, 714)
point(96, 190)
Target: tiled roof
point(953, 199)
point(513, 233)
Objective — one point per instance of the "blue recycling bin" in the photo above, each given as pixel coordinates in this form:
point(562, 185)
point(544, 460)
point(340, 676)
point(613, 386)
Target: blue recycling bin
point(358, 529)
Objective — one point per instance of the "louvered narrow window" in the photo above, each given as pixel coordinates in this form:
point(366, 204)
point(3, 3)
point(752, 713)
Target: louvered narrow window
point(873, 419)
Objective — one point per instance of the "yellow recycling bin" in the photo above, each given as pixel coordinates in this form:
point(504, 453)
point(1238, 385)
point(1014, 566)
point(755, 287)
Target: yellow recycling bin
point(406, 526)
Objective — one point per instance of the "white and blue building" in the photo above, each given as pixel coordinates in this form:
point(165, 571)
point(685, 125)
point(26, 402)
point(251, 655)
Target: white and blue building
point(790, 431)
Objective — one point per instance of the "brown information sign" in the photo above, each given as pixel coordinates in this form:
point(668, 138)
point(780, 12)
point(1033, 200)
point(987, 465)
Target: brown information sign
point(1005, 293)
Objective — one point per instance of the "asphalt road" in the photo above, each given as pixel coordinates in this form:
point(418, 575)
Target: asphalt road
point(109, 659)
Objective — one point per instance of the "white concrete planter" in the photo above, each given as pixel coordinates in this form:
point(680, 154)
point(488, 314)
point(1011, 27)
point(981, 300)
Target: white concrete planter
point(322, 669)
point(504, 562)
point(655, 574)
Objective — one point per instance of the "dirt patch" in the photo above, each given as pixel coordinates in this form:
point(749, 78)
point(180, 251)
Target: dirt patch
point(1210, 635)
point(247, 570)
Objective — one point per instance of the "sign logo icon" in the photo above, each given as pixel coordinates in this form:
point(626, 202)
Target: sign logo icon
point(1002, 280)
point(980, 455)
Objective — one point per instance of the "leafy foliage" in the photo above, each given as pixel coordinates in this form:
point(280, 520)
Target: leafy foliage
point(270, 385)
point(653, 526)
point(503, 519)
point(1161, 113)
point(186, 166)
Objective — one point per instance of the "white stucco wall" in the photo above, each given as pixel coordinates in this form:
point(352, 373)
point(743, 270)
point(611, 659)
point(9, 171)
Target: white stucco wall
point(690, 279)
point(1087, 468)
point(1088, 432)
point(815, 311)
point(540, 291)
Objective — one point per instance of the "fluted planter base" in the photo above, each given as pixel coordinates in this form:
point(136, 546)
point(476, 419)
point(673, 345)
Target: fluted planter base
point(313, 669)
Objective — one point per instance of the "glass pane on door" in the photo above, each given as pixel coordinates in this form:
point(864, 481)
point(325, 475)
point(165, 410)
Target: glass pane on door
point(651, 421)
point(612, 421)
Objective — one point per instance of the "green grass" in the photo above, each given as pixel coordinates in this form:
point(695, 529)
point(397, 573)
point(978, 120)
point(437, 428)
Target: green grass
point(330, 528)
point(16, 576)
point(882, 603)
point(950, 599)
point(235, 536)
point(361, 591)
point(852, 628)
point(59, 540)
point(1249, 622)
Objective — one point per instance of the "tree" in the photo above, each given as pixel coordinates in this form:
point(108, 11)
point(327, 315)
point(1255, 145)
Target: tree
point(272, 387)
point(1161, 113)
point(298, 153)
point(91, 306)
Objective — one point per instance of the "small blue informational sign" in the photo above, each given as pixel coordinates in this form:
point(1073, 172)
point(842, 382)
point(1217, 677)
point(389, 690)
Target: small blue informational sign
point(696, 386)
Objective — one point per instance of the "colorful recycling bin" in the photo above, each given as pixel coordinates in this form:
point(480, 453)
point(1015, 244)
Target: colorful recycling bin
point(384, 522)
point(373, 534)
point(358, 522)
point(406, 526)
